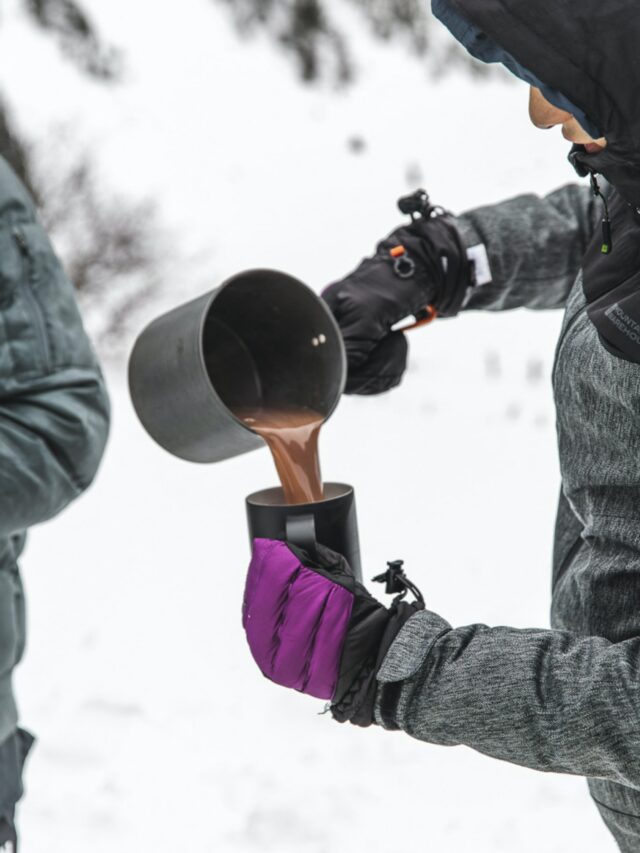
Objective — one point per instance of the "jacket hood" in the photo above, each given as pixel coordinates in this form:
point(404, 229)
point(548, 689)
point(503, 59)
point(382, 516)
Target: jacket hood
point(588, 51)
point(484, 48)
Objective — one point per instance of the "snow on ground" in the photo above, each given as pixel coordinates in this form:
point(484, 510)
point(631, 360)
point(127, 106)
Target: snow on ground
point(156, 732)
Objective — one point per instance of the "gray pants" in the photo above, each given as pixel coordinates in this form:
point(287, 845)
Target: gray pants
point(8, 837)
point(13, 753)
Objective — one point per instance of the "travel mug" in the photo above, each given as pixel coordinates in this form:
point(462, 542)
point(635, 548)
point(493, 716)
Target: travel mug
point(331, 522)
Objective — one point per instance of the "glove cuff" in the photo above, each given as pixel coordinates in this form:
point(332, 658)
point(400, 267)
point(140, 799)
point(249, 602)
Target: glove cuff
point(443, 250)
point(357, 705)
point(447, 244)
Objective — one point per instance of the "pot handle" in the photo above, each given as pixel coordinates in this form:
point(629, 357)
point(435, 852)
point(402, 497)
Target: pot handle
point(301, 531)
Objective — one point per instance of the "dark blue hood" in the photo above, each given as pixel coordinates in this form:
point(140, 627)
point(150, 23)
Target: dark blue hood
point(484, 48)
point(585, 51)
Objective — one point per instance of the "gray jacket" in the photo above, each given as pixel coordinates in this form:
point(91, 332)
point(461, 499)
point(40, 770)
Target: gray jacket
point(54, 415)
point(568, 699)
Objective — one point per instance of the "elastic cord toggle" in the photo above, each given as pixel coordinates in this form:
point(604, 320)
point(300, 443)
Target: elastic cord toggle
point(417, 203)
point(397, 582)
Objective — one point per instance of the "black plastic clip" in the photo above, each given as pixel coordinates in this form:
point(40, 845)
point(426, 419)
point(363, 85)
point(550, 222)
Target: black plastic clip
point(607, 238)
point(392, 577)
point(416, 203)
point(397, 583)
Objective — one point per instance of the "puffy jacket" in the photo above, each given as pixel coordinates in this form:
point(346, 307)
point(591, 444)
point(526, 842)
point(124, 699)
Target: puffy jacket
point(54, 410)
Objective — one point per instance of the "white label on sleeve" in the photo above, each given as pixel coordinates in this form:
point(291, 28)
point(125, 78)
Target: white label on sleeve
point(478, 254)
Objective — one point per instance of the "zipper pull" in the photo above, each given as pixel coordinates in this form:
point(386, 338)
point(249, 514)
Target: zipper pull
point(607, 241)
point(607, 236)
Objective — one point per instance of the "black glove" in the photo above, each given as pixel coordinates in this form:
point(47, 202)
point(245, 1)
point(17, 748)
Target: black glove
point(372, 630)
point(421, 269)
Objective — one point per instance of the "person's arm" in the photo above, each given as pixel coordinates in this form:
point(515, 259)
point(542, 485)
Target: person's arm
point(534, 247)
point(523, 252)
point(54, 408)
point(52, 436)
point(547, 700)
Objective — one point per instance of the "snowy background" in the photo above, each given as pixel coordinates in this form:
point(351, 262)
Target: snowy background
point(156, 731)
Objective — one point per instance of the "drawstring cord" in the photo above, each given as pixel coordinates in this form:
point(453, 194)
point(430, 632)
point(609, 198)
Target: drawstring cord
point(607, 239)
point(398, 582)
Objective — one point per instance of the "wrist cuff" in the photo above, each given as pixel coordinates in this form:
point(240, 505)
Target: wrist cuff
point(405, 657)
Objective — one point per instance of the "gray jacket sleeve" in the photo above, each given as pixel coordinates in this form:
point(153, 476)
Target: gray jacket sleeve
point(534, 246)
point(54, 409)
point(548, 700)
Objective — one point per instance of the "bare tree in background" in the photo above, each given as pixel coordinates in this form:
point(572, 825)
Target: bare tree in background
point(107, 243)
point(309, 32)
point(303, 28)
point(79, 42)
point(78, 39)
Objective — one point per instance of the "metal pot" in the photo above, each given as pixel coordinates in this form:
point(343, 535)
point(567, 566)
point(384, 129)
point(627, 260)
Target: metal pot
point(260, 339)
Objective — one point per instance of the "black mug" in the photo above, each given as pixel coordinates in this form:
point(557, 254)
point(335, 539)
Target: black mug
point(331, 522)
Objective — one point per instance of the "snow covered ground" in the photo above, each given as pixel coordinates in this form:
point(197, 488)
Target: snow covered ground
point(156, 732)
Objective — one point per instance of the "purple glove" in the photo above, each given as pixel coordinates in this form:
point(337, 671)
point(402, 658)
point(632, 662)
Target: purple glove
point(313, 627)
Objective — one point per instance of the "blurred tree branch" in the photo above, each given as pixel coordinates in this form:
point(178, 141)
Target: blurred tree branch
point(16, 151)
point(308, 31)
point(391, 18)
point(302, 27)
point(76, 36)
point(108, 244)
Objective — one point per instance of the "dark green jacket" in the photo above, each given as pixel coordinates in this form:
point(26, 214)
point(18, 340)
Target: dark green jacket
point(54, 409)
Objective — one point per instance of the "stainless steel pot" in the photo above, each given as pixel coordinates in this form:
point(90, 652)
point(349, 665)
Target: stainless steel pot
point(260, 339)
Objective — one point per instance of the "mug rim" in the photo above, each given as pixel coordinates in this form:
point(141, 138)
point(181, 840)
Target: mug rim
point(259, 498)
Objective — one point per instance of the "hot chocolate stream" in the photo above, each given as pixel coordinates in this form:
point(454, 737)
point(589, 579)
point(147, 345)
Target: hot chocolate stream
point(292, 436)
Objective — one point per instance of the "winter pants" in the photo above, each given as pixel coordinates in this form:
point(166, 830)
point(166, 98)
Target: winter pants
point(13, 752)
point(8, 838)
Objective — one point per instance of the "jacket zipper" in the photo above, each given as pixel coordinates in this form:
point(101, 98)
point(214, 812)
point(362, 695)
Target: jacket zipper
point(19, 612)
point(36, 310)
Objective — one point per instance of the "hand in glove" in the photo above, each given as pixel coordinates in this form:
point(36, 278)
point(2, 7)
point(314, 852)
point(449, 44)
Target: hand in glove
point(421, 269)
point(313, 627)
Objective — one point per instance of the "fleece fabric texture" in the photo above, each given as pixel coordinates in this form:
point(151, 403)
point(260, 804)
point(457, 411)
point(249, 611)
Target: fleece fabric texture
point(565, 700)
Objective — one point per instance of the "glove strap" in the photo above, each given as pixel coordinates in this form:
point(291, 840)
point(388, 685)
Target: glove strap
point(357, 706)
point(442, 240)
point(397, 582)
